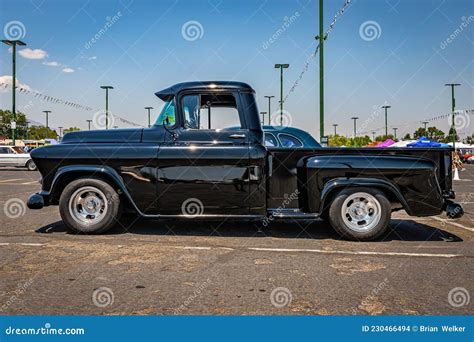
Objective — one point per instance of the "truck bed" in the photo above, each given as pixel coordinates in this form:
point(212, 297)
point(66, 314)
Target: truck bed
point(283, 180)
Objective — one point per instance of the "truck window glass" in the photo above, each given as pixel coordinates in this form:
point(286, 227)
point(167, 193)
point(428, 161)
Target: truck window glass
point(210, 111)
point(167, 111)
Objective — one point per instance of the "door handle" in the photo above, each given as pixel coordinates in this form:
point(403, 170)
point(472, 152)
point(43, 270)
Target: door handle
point(237, 136)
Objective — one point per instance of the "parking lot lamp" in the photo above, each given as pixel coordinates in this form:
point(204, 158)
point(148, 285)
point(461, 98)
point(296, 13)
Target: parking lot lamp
point(281, 67)
point(13, 44)
point(107, 104)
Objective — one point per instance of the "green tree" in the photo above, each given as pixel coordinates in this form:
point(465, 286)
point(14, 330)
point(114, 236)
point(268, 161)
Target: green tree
point(337, 140)
point(41, 132)
point(71, 129)
point(407, 137)
point(6, 118)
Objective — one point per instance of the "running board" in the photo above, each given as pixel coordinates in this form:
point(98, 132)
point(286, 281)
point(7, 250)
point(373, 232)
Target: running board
point(291, 213)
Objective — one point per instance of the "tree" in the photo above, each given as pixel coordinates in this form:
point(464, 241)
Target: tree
point(470, 139)
point(407, 137)
point(71, 129)
point(41, 132)
point(6, 118)
point(337, 140)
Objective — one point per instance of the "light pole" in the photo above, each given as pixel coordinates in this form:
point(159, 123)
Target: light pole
point(453, 106)
point(425, 123)
point(281, 67)
point(395, 132)
point(27, 128)
point(263, 117)
point(60, 131)
point(89, 123)
point(386, 107)
point(373, 136)
point(107, 104)
point(355, 118)
point(321, 38)
point(269, 97)
point(13, 44)
point(335, 129)
point(47, 117)
point(148, 109)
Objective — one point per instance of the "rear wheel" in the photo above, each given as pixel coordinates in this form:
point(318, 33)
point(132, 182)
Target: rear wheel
point(30, 165)
point(89, 205)
point(360, 213)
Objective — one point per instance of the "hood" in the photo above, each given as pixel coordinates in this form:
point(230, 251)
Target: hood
point(131, 135)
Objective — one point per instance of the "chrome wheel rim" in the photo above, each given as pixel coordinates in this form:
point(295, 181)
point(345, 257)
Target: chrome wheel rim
point(32, 165)
point(88, 205)
point(361, 212)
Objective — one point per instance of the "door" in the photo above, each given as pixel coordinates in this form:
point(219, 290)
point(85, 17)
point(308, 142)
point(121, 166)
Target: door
point(203, 167)
point(7, 156)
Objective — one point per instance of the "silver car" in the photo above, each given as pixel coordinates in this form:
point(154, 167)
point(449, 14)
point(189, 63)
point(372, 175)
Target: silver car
point(16, 156)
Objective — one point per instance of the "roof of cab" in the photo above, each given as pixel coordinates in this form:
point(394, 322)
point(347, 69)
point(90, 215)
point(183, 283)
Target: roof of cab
point(169, 93)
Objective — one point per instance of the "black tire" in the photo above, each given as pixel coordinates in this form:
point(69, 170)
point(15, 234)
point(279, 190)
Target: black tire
point(364, 227)
point(30, 165)
point(71, 213)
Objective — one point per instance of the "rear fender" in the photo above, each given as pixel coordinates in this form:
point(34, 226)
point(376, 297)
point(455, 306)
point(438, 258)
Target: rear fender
point(337, 184)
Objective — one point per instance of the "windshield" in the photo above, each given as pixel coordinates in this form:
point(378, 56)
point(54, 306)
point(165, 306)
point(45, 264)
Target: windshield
point(167, 111)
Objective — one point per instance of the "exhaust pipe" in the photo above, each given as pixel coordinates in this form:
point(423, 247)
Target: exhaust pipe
point(453, 210)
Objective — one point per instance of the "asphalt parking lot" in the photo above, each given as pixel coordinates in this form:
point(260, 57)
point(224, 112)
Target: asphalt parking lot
point(425, 266)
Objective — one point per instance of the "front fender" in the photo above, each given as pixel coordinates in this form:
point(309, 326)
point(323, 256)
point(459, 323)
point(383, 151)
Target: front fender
point(69, 172)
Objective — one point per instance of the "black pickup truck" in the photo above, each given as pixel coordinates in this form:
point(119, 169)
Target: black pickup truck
point(190, 165)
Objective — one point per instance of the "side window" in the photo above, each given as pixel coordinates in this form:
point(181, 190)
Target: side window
point(210, 111)
point(287, 140)
point(167, 112)
point(4, 150)
point(270, 140)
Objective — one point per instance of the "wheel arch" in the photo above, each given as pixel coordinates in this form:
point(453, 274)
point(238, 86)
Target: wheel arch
point(67, 174)
point(334, 186)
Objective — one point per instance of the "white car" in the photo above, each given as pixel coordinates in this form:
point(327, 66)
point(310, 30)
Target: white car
point(15, 156)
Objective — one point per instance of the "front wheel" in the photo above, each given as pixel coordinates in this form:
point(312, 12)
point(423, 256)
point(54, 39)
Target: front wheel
point(360, 213)
point(89, 205)
point(30, 165)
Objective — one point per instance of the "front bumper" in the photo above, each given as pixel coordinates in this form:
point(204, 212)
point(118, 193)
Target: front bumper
point(38, 200)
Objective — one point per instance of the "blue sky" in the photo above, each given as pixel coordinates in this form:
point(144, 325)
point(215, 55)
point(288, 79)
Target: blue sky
point(405, 64)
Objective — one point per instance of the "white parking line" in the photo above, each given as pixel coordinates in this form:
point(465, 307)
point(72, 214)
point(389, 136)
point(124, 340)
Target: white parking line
point(286, 250)
point(323, 251)
point(452, 223)
point(10, 180)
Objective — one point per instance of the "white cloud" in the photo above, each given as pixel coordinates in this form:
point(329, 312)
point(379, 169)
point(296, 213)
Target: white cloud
point(92, 58)
point(53, 63)
point(8, 80)
point(33, 54)
point(68, 70)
